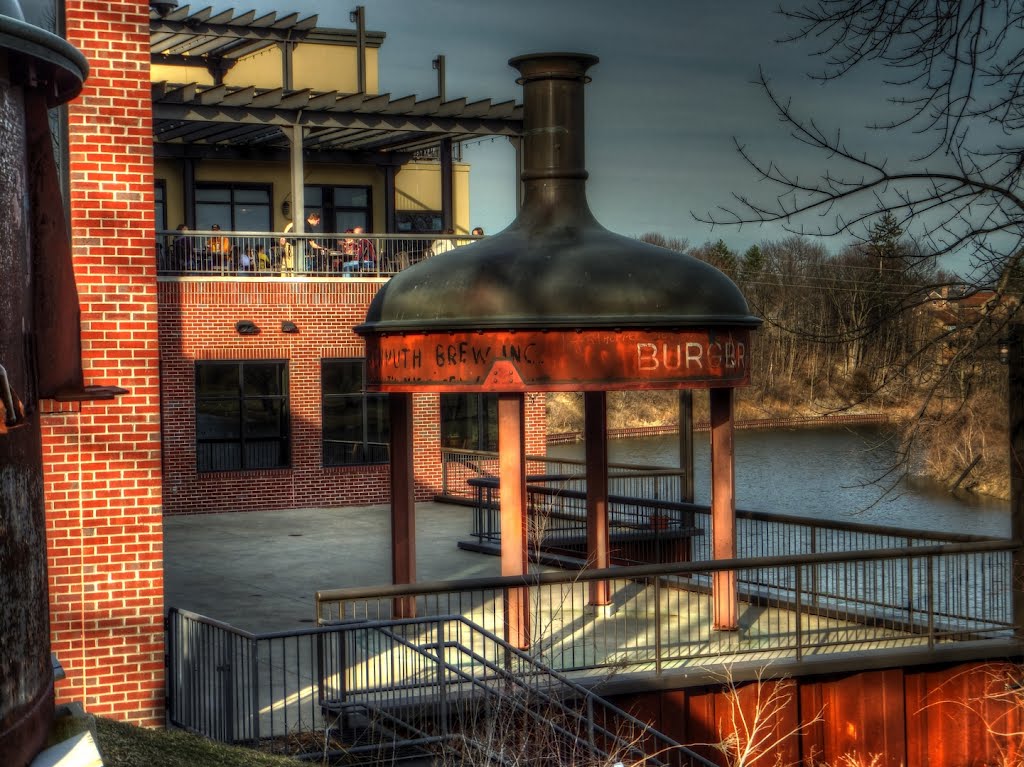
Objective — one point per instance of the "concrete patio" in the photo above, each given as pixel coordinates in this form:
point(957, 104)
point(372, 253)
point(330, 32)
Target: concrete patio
point(259, 570)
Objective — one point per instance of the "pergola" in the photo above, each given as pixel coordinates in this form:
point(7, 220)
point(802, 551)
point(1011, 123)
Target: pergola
point(558, 303)
point(193, 121)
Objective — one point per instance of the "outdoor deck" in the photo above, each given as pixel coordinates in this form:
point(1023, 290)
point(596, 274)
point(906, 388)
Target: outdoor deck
point(795, 606)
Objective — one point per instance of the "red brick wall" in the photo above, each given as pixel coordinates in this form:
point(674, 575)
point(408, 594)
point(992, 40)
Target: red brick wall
point(102, 460)
point(197, 322)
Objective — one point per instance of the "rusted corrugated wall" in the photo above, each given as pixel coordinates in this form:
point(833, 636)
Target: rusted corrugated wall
point(965, 715)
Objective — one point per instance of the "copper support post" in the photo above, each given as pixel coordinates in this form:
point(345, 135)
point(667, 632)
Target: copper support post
point(403, 503)
point(512, 478)
point(595, 419)
point(723, 510)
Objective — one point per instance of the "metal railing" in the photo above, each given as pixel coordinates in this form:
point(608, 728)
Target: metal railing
point(659, 616)
point(640, 531)
point(381, 688)
point(273, 254)
point(635, 481)
point(650, 530)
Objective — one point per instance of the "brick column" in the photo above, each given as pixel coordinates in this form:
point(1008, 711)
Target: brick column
point(102, 459)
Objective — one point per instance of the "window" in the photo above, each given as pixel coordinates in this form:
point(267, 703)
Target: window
point(342, 207)
point(160, 204)
point(419, 221)
point(234, 207)
point(469, 421)
point(356, 428)
point(241, 415)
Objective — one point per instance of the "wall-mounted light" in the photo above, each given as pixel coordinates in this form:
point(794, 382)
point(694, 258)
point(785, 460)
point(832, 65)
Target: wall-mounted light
point(1004, 350)
point(289, 327)
point(286, 208)
point(246, 328)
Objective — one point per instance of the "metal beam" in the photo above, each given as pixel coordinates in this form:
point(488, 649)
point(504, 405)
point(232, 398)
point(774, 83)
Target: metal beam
point(447, 185)
point(514, 549)
point(403, 501)
point(725, 613)
point(687, 488)
point(262, 115)
point(595, 433)
point(276, 154)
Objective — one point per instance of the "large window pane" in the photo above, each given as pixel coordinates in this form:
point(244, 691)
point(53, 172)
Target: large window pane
point(252, 218)
point(469, 421)
point(355, 424)
point(262, 379)
point(347, 219)
point(218, 419)
point(234, 207)
point(160, 205)
point(213, 194)
point(341, 207)
point(263, 417)
point(241, 415)
point(214, 379)
point(207, 215)
point(351, 196)
point(313, 197)
point(252, 196)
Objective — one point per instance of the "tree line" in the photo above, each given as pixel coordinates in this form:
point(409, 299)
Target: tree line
point(878, 326)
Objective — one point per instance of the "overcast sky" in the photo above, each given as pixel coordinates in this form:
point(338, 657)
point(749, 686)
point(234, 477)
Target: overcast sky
point(671, 91)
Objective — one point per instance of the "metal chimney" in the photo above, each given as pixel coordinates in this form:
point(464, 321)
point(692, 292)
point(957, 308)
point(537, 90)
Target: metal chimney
point(571, 291)
point(38, 355)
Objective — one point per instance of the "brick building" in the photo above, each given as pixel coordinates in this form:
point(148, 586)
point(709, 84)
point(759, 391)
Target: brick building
point(244, 387)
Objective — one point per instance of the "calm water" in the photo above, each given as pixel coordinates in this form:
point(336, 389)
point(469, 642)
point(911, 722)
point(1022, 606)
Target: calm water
point(826, 473)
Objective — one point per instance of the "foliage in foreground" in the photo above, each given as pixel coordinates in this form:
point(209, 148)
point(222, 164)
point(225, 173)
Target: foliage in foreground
point(124, 745)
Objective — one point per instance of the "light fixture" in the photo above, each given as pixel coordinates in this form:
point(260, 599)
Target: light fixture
point(287, 326)
point(246, 328)
point(1004, 350)
point(286, 208)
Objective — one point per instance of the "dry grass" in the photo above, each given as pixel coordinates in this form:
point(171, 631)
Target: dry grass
point(124, 745)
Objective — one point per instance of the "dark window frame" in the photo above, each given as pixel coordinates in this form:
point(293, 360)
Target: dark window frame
point(482, 425)
point(367, 452)
point(244, 427)
point(329, 207)
point(232, 187)
point(160, 203)
point(416, 222)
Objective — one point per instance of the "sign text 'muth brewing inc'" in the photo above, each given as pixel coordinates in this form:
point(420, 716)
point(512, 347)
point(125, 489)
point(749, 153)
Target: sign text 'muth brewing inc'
point(558, 360)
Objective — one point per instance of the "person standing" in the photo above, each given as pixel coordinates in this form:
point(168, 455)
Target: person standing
point(315, 251)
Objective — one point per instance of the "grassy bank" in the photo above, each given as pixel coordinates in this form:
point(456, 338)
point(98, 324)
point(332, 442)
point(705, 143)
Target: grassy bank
point(123, 745)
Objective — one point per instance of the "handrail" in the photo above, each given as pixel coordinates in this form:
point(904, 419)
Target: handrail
point(287, 254)
point(644, 571)
point(643, 470)
point(223, 664)
point(538, 666)
point(760, 516)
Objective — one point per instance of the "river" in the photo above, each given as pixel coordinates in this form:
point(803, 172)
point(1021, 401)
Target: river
point(823, 473)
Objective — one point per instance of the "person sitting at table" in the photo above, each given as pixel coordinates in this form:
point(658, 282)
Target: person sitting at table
point(219, 249)
point(349, 259)
point(183, 251)
point(437, 247)
point(365, 252)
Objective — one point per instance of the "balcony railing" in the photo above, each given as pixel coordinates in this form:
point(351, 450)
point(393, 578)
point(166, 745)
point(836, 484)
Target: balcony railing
point(272, 254)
